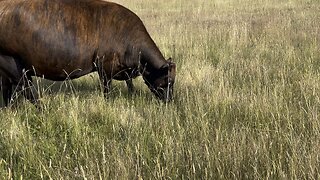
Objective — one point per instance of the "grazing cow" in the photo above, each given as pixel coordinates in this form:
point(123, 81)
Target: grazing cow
point(66, 39)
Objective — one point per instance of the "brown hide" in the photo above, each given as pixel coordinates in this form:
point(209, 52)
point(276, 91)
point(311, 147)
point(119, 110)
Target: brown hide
point(60, 39)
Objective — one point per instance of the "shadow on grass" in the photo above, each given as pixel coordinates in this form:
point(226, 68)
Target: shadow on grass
point(82, 87)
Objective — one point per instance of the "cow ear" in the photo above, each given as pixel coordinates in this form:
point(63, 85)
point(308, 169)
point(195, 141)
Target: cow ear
point(172, 65)
point(165, 66)
point(172, 68)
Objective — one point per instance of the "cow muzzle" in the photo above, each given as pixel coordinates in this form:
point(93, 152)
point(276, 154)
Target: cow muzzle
point(165, 94)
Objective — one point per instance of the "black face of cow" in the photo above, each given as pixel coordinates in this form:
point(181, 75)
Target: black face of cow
point(161, 81)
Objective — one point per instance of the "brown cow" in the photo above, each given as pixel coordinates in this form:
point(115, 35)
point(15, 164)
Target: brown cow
point(66, 39)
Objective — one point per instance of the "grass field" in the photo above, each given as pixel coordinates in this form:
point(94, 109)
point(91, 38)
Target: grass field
point(246, 105)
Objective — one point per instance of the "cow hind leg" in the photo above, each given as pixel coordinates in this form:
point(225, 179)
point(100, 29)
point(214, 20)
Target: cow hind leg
point(12, 73)
point(28, 89)
point(6, 87)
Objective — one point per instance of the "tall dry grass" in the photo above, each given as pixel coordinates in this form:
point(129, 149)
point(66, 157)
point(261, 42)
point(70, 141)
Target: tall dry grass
point(246, 103)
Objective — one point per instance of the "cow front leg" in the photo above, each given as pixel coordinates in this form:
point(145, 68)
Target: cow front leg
point(105, 82)
point(105, 70)
point(106, 85)
point(130, 86)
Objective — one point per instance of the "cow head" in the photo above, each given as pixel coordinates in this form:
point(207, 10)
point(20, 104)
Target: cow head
point(160, 81)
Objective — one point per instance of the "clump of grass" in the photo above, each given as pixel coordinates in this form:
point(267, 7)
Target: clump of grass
point(246, 103)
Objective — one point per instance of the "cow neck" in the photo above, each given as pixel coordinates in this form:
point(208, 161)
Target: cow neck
point(152, 58)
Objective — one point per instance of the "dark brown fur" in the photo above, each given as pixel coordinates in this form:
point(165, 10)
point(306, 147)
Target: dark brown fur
point(66, 39)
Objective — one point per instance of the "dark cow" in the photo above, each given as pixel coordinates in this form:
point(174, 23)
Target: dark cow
point(66, 39)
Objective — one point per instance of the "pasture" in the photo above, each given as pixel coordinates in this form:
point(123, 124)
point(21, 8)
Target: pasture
point(246, 105)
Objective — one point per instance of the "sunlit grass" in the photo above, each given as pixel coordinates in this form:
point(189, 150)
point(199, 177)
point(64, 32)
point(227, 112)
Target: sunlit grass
point(246, 105)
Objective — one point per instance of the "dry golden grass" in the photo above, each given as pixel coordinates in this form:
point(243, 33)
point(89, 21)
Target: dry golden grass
point(246, 104)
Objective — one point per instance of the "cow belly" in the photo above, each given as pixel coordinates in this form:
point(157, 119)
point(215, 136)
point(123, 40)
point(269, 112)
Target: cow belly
point(61, 73)
point(126, 74)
